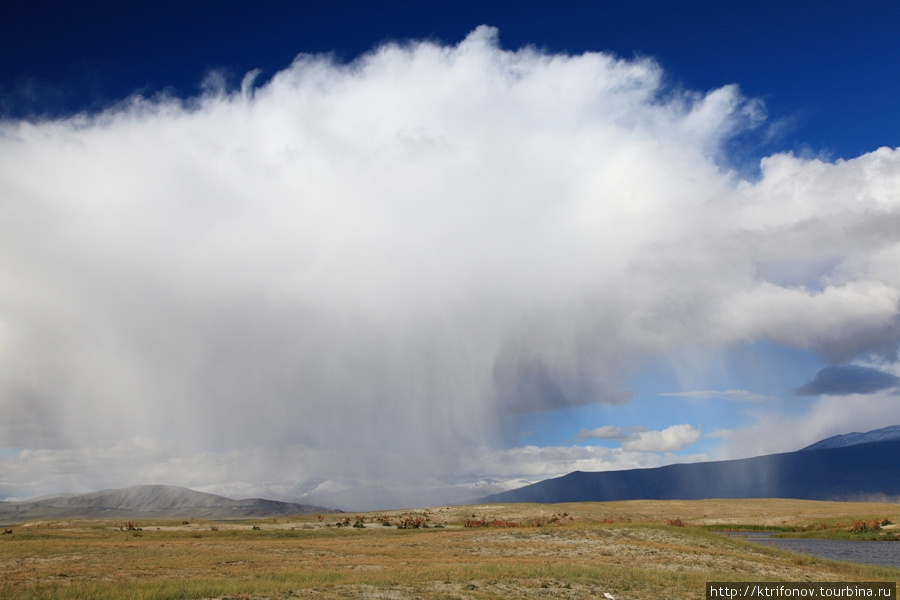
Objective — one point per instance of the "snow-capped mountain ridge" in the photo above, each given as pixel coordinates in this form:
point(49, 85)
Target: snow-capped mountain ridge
point(885, 434)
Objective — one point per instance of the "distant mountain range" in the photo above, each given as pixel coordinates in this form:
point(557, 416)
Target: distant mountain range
point(149, 502)
point(855, 466)
point(364, 495)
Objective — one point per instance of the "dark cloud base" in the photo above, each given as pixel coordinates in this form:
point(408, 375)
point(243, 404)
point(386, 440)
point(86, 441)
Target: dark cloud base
point(843, 380)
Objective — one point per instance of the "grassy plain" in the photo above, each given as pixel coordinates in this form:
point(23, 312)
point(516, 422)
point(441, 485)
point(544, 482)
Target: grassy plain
point(628, 549)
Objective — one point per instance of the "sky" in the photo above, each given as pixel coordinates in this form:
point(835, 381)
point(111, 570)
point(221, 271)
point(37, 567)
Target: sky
point(382, 254)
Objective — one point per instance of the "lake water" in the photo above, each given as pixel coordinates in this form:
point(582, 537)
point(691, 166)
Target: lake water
point(858, 551)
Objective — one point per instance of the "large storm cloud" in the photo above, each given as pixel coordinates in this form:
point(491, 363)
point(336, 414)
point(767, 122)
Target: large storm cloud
point(388, 258)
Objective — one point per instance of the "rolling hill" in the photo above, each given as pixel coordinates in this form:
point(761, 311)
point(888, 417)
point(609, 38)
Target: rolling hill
point(149, 502)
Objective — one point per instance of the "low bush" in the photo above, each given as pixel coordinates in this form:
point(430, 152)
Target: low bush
point(860, 526)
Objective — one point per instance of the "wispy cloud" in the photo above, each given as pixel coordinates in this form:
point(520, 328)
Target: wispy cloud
point(775, 431)
point(731, 395)
point(391, 257)
point(605, 432)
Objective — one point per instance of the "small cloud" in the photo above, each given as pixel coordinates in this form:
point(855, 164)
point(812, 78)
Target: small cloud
point(731, 395)
point(843, 380)
point(669, 439)
point(604, 432)
point(639, 439)
point(723, 434)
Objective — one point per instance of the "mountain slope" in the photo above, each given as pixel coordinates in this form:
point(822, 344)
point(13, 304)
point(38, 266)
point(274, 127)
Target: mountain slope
point(149, 502)
point(869, 471)
point(852, 439)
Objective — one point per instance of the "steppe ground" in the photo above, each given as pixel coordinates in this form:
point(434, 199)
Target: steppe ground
point(631, 550)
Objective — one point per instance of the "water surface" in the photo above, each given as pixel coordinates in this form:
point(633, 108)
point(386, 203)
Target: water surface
point(859, 551)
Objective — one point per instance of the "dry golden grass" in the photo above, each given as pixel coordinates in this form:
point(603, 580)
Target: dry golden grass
point(623, 548)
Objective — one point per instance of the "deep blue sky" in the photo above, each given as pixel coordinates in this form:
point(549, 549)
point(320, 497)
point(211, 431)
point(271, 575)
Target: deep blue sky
point(828, 71)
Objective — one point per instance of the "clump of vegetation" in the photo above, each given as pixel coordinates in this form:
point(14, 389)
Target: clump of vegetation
point(861, 526)
point(496, 523)
point(501, 524)
point(676, 522)
point(610, 520)
point(360, 522)
point(412, 523)
point(542, 521)
point(384, 520)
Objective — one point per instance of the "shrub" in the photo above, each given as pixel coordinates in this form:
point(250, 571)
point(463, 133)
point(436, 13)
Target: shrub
point(497, 523)
point(345, 522)
point(860, 526)
point(411, 523)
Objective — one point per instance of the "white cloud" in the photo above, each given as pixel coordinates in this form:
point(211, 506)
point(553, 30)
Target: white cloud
point(669, 439)
point(391, 257)
point(639, 439)
point(839, 321)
